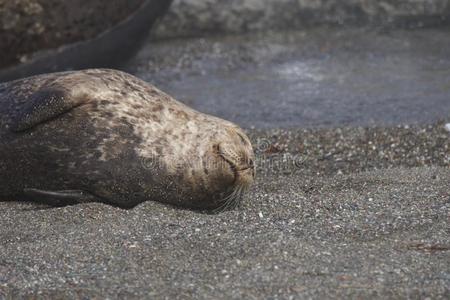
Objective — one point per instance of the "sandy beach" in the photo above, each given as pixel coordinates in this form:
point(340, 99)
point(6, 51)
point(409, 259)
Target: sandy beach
point(330, 224)
point(351, 198)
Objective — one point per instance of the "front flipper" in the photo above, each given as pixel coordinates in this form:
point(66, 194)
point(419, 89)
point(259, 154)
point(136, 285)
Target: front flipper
point(44, 105)
point(61, 198)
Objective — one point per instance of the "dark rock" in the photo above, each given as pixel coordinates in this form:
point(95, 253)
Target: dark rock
point(50, 35)
point(30, 25)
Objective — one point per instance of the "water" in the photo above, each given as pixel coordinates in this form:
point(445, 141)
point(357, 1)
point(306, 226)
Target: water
point(320, 77)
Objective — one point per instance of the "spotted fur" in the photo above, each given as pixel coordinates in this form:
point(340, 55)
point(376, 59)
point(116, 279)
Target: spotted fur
point(119, 138)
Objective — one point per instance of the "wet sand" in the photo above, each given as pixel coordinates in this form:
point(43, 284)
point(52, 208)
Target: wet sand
point(307, 78)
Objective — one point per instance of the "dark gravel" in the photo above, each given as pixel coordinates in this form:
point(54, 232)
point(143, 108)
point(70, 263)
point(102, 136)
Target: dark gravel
point(369, 220)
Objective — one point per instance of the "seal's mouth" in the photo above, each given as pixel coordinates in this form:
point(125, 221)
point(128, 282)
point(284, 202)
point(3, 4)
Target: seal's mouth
point(243, 168)
point(240, 170)
point(243, 177)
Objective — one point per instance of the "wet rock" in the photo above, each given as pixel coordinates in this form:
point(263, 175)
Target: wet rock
point(30, 25)
point(41, 38)
point(193, 17)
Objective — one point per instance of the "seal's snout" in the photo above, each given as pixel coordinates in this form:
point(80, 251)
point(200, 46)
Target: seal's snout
point(240, 156)
point(235, 150)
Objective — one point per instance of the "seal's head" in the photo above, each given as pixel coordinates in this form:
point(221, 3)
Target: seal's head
point(220, 171)
point(235, 157)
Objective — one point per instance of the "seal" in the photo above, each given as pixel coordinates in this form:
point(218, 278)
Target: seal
point(101, 135)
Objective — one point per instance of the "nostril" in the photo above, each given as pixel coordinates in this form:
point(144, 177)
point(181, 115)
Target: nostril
point(251, 163)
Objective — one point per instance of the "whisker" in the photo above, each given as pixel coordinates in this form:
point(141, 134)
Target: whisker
point(226, 201)
point(232, 200)
point(238, 198)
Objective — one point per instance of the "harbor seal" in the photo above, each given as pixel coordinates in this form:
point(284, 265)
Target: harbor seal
point(106, 136)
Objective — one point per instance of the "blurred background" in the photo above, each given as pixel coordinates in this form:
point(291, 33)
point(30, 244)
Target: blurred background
point(260, 63)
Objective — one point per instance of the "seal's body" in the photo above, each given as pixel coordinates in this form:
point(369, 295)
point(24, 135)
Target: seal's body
point(104, 135)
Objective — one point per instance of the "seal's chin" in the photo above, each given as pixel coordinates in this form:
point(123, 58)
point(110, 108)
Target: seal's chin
point(243, 173)
point(231, 200)
point(243, 178)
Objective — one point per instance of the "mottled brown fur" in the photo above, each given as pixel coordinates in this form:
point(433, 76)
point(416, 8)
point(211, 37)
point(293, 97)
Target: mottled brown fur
point(118, 138)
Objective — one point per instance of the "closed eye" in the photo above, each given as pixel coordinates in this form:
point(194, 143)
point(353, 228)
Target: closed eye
point(243, 140)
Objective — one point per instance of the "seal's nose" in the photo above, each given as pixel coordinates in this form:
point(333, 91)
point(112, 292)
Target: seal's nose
point(242, 165)
point(246, 164)
point(237, 159)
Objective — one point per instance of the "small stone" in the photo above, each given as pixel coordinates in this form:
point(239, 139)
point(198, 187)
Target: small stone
point(23, 59)
point(447, 127)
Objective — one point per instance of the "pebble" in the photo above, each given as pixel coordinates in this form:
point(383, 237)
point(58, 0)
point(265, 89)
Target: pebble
point(447, 127)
